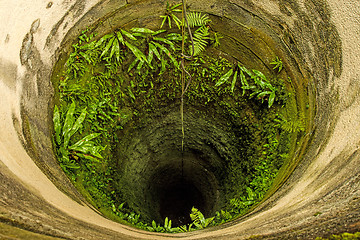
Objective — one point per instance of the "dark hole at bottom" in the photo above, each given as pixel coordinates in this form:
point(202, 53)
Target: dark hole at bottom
point(177, 200)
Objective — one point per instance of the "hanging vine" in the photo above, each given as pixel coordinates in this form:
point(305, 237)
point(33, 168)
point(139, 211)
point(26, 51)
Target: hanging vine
point(183, 70)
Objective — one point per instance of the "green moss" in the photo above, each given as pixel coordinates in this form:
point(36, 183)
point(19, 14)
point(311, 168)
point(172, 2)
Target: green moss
point(343, 236)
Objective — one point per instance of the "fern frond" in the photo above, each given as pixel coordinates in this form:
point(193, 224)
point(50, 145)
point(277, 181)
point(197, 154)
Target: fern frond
point(201, 37)
point(292, 124)
point(196, 19)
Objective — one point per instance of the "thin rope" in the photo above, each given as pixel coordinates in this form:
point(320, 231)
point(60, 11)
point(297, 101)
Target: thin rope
point(183, 70)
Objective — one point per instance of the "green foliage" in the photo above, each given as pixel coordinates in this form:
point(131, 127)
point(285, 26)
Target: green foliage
point(166, 228)
point(277, 63)
point(201, 34)
point(197, 19)
point(111, 45)
point(158, 46)
point(225, 77)
point(215, 39)
point(222, 217)
point(83, 52)
point(186, 228)
point(261, 87)
point(258, 84)
point(343, 236)
point(261, 177)
point(100, 79)
point(291, 123)
point(201, 40)
point(170, 15)
point(199, 220)
point(65, 129)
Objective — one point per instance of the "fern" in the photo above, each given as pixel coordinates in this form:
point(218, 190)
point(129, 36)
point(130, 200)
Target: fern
point(199, 220)
point(291, 124)
point(185, 228)
point(201, 37)
point(197, 19)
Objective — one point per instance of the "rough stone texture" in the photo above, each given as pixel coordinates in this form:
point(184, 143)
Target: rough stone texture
point(318, 37)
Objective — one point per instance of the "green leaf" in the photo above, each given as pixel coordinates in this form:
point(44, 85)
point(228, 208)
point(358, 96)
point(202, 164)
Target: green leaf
point(175, 6)
point(208, 221)
point(163, 21)
point(133, 64)
point(117, 51)
point(260, 74)
point(68, 123)
point(57, 125)
point(248, 72)
point(167, 224)
point(196, 19)
point(131, 93)
point(115, 47)
point(174, 37)
point(177, 20)
point(129, 35)
point(234, 81)
point(154, 49)
point(142, 30)
point(224, 78)
point(86, 156)
point(103, 39)
point(107, 47)
point(271, 99)
point(85, 145)
point(120, 38)
point(86, 57)
point(150, 56)
point(138, 54)
point(183, 228)
point(243, 80)
point(262, 94)
point(165, 41)
point(158, 32)
point(77, 125)
point(167, 52)
point(89, 148)
point(85, 140)
point(278, 64)
point(139, 66)
point(67, 163)
point(163, 65)
point(201, 36)
point(169, 21)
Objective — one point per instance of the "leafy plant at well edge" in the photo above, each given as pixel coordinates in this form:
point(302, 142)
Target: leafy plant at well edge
point(201, 34)
point(199, 220)
point(170, 15)
point(157, 46)
point(277, 63)
point(64, 131)
point(259, 85)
